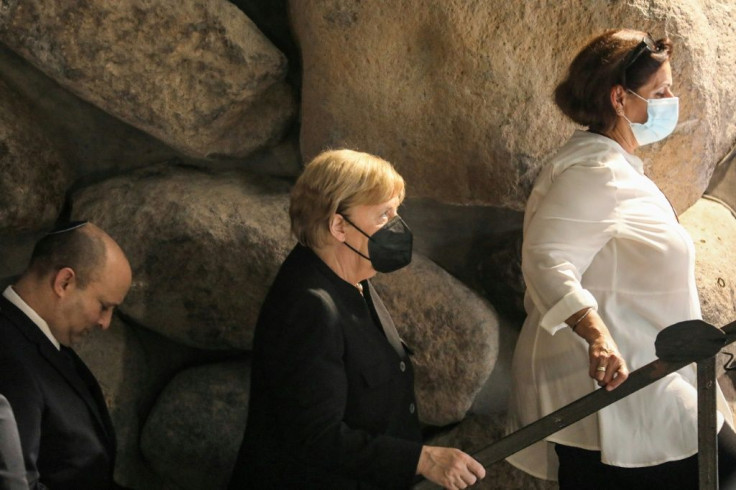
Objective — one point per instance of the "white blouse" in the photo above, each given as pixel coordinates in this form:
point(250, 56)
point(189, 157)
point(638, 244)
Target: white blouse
point(599, 233)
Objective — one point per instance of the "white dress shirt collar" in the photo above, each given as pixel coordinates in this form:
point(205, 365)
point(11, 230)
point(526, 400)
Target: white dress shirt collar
point(585, 137)
point(13, 297)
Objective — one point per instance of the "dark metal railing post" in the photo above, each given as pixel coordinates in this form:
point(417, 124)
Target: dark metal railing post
point(707, 430)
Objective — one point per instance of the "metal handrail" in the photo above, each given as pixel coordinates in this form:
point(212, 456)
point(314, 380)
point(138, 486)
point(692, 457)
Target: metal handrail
point(638, 379)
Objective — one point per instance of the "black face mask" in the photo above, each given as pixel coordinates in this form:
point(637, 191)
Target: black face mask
point(389, 247)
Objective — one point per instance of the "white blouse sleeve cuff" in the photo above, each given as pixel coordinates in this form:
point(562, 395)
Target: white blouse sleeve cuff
point(574, 301)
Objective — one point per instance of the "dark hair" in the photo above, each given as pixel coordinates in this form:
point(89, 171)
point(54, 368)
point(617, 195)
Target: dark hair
point(584, 95)
point(73, 247)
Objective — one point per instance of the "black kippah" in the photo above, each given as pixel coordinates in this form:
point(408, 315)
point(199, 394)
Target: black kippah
point(67, 226)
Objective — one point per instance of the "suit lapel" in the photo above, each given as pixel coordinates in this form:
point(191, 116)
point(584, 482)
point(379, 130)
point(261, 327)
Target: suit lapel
point(68, 364)
point(93, 395)
point(387, 323)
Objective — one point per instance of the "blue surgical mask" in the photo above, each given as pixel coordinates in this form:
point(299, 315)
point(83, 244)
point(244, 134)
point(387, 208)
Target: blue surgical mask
point(661, 120)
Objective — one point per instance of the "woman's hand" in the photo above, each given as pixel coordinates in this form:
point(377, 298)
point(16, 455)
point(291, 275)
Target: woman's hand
point(607, 365)
point(449, 467)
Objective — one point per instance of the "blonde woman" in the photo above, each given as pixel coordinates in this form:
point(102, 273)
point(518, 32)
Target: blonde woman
point(332, 387)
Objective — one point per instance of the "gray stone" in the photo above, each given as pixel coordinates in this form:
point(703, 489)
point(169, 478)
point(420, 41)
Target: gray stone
point(458, 95)
point(16, 253)
point(713, 230)
point(723, 183)
point(479, 431)
point(196, 74)
point(493, 397)
point(34, 174)
point(712, 227)
point(204, 248)
point(193, 433)
point(91, 140)
point(452, 331)
point(479, 245)
point(133, 365)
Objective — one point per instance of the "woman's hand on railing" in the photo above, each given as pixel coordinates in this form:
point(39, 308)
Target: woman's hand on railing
point(607, 365)
point(449, 467)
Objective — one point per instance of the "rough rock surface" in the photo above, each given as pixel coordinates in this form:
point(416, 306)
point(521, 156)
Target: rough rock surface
point(713, 230)
point(194, 431)
point(203, 247)
point(493, 397)
point(457, 94)
point(712, 227)
point(16, 253)
point(91, 140)
point(723, 184)
point(452, 331)
point(34, 174)
point(196, 74)
point(477, 432)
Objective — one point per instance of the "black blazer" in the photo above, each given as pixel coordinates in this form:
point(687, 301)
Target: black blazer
point(331, 401)
point(65, 429)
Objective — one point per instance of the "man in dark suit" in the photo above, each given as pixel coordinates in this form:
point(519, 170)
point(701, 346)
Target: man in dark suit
point(76, 277)
point(12, 472)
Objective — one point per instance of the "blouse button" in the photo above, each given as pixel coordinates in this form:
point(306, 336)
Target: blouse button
point(402, 366)
point(412, 408)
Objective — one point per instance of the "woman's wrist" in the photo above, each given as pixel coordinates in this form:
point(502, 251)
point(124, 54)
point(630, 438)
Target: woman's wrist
point(580, 317)
point(590, 327)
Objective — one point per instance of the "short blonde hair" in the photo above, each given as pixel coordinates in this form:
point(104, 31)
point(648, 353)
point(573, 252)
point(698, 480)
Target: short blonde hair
point(333, 182)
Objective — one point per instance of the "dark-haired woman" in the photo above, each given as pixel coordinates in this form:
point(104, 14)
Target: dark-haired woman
point(607, 266)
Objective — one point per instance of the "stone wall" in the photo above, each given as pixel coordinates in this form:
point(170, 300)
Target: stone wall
point(179, 128)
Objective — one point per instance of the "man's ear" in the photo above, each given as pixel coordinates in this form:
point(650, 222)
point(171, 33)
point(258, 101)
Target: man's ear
point(617, 98)
point(64, 280)
point(337, 227)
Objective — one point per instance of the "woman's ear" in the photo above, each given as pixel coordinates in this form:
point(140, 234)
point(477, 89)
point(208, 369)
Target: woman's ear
point(337, 227)
point(617, 99)
point(64, 279)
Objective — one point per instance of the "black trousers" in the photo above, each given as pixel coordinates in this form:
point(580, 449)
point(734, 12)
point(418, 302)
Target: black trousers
point(582, 470)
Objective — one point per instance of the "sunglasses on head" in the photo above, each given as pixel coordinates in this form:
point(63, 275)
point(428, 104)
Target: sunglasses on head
point(646, 45)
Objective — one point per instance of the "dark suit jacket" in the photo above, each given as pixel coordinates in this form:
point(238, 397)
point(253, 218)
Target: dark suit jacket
point(12, 470)
point(65, 429)
point(331, 401)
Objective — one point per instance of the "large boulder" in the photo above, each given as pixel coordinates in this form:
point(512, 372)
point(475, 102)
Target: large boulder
point(34, 174)
point(458, 94)
point(91, 140)
point(194, 431)
point(723, 184)
point(16, 253)
point(452, 331)
point(196, 74)
point(203, 248)
point(493, 397)
point(133, 365)
point(712, 227)
point(479, 245)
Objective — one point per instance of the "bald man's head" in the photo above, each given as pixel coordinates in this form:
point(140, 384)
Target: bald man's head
point(76, 278)
point(80, 246)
